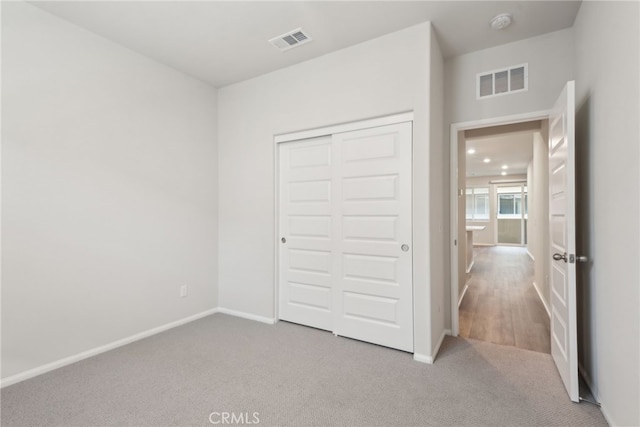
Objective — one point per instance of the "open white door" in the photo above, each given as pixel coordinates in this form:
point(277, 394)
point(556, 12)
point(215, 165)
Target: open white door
point(562, 225)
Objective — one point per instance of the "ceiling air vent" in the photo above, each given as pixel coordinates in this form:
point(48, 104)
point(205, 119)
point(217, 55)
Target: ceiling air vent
point(291, 39)
point(501, 82)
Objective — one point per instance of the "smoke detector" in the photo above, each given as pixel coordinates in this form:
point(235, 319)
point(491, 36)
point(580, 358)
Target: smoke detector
point(500, 22)
point(291, 39)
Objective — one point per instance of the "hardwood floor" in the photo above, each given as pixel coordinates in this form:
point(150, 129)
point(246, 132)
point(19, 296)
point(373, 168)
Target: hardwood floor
point(501, 305)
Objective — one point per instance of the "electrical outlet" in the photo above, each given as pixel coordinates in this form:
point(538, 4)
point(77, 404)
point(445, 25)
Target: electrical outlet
point(183, 291)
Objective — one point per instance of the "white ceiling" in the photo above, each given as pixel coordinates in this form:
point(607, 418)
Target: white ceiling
point(513, 149)
point(222, 42)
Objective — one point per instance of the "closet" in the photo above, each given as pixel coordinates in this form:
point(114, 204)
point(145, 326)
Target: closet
point(344, 228)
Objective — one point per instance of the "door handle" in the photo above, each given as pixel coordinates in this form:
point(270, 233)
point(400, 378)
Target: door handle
point(572, 258)
point(559, 257)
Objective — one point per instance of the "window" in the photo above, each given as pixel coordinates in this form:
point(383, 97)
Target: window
point(477, 204)
point(512, 202)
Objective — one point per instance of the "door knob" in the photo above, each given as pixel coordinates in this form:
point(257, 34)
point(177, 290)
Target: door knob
point(283, 240)
point(559, 257)
point(404, 248)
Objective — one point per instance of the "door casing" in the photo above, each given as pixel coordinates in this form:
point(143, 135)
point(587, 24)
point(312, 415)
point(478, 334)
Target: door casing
point(453, 194)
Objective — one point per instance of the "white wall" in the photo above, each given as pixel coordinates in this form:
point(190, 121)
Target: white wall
point(601, 53)
point(109, 191)
point(376, 78)
point(607, 40)
point(550, 59)
point(531, 237)
point(461, 215)
point(539, 213)
point(439, 206)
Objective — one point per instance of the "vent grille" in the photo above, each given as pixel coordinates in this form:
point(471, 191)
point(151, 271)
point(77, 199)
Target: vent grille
point(502, 82)
point(291, 39)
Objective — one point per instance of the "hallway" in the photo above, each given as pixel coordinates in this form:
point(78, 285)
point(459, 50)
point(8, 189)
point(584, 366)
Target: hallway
point(501, 304)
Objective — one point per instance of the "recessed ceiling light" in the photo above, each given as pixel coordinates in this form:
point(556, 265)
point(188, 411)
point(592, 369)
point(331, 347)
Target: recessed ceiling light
point(471, 151)
point(505, 167)
point(503, 173)
point(500, 22)
point(486, 160)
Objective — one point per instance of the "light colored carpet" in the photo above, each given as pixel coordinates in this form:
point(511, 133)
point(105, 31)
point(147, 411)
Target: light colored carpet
point(291, 375)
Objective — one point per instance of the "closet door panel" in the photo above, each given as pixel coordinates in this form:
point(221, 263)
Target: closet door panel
point(373, 290)
point(345, 262)
point(305, 224)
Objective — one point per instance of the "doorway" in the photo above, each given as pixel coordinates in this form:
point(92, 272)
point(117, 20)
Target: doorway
point(501, 215)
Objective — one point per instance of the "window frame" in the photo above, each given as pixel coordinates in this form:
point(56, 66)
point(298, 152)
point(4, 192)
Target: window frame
point(474, 210)
point(524, 203)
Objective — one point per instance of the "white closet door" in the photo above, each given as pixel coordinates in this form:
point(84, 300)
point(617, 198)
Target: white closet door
point(305, 258)
point(345, 264)
point(373, 291)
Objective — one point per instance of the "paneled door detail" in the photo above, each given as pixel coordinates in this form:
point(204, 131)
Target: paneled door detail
point(564, 341)
point(306, 271)
point(345, 259)
point(374, 294)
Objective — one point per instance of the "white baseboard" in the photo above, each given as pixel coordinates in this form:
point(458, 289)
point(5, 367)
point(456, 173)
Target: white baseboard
point(464, 291)
point(594, 392)
point(437, 349)
point(245, 315)
point(607, 415)
point(423, 358)
point(544, 303)
point(603, 408)
point(22, 376)
point(470, 266)
point(531, 255)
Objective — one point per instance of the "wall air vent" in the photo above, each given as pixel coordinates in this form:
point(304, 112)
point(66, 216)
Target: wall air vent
point(502, 82)
point(291, 39)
